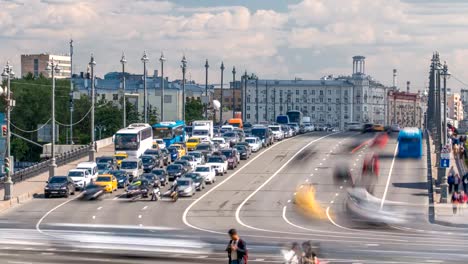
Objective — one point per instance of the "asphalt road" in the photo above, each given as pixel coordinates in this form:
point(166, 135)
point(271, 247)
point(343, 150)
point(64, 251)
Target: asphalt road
point(258, 199)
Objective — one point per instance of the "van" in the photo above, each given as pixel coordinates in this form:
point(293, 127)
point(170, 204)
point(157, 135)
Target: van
point(132, 166)
point(236, 122)
point(90, 166)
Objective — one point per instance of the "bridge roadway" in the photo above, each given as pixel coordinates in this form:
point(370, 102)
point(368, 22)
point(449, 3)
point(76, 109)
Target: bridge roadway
point(257, 199)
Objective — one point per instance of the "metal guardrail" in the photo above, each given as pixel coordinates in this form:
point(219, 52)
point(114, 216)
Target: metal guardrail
point(42, 167)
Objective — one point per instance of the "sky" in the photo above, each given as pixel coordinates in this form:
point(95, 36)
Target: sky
point(275, 39)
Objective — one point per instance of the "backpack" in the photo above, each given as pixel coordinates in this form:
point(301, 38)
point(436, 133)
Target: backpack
point(450, 179)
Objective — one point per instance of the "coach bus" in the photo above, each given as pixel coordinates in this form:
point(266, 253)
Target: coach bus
point(410, 143)
point(295, 116)
point(171, 132)
point(134, 139)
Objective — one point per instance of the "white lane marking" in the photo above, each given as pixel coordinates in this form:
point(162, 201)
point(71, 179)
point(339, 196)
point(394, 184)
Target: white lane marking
point(50, 211)
point(99, 208)
point(259, 259)
point(94, 217)
point(372, 245)
point(239, 208)
point(389, 177)
point(324, 159)
point(333, 222)
point(289, 201)
point(144, 208)
point(139, 216)
point(307, 180)
point(332, 201)
point(320, 164)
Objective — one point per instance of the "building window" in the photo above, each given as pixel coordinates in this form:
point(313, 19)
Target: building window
point(239, 100)
point(168, 99)
point(248, 116)
point(36, 68)
point(321, 100)
point(297, 100)
point(337, 100)
point(226, 100)
point(115, 97)
point(248, 99)
point(312, 108)
point(312, 100)
point(248, 108)
point(281, 108)
point(346, 108)
point(103, 96)
point(305, 92)
point(329, 100)
point(329, 108)
point(337, 92)
point(346, 93)
point(321, 92)
point(312, 92)
point(297, 92)
point(297, 107)
point(329, 92)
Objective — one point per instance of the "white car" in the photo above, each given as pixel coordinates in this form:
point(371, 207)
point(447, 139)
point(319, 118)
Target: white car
point(220, 141)
point(207, 172)
point(80, 177)
point(91, 167)
point(199, 157)
point(193, 162)
point(278, 133)
point(219, 163)
point(160, 142)
point(254, 142)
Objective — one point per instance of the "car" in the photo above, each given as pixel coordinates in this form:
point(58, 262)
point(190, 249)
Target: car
point(191, 160)
point(246, 144)
point(220, 141)
point(80, 177)
point(166, 156)
point(104, 167)
point(219, 163)
point(378, 128)
point(197, 179)
point(186, 187)
point(240, 133)
point(227, 128)
point(207, 172)
point(90, 166)
point(175, 171)
point(243, 151)
point(149, 163)
point(278, 133)
point(152, 179)
point(254, 142)
point(108, 181)
point(264, 133)
point(157, 155)
point(395, 128)
point(368, 128)
point(122, 178)
point(192, 143)
point(139, 187)
point(198, 156)
point(205, 148)
point(160, 142)
point(232, 157)
point(133, 167)
point(162, 175)
point(288, 132)
point(186, 164)
point(295, 126)
point(354, 126)
point(180, 148)
point(231, 137)
point(92, 192)
point(60, 186)
point(174, 153)
point(109, 159)
point(119, 156)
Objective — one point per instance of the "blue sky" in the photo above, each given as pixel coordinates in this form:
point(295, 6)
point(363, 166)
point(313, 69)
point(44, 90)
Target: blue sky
point(273, 39)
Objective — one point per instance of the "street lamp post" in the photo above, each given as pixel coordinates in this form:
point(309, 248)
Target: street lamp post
point(8, 74)
point(71, 91)
point(162, 59)
point(233, 90)
point(92, 150)
point(444, 185)
point(222, 94)
point(184, 68)
point(123, 61)
point(206, 88)
point(256, 99)
point(53, 68)
point(244, 96)
point(145, 59)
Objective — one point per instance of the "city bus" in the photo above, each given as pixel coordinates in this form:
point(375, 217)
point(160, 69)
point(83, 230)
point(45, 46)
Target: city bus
point(295, 116)
point(171, 132)
point(410, 143)
point(282, 119)
point(134, 139)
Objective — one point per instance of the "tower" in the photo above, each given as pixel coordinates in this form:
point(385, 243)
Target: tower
point(359, 66)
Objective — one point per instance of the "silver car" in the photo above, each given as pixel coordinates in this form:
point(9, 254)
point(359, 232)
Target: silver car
point(186, 187)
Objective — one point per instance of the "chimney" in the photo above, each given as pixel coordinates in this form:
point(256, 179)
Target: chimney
point(394, 78)
point(156, 74)
point(408, 86)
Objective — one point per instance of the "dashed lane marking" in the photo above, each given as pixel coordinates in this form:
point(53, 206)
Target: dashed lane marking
point(99, 208)
point(144, 208)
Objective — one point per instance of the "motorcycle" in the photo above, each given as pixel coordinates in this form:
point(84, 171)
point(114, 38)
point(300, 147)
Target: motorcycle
point(156, 195)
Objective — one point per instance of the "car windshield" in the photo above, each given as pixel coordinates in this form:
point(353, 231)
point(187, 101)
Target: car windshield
point(172, 150)
point(193, 140)
point(102, 166)
point(159, 141)
point(250, 140)
point(125, 142)
point(92, 186)
point(148, 176)
point(229, 135)
point(215, 159)
point(183, 182)
point(202, 169)
point(158, 172)
point(173, 167)
point(146, 160)
point(103, 179)
point(219, 141)
point(240, 148)
point(120, 157)
point(116, 173)
point(58, 180)
point(203, 147)
point(192, 175)
point(75, 174)
point(195, 154)
point(104, 159)
point(228, 154)
point(275, 128)
point(129, 165)
point(187, 158)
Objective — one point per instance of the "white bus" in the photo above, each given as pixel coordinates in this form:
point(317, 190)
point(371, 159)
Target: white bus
point(134, 139)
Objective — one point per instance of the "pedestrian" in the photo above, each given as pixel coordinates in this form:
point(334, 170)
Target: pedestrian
point(236, 249)
point(461, 152)
point(293, 256)
point(450, 181)
point(308, 255)
point(456, 182)
point(455, 200)
point(462, 199)
point(465, 182)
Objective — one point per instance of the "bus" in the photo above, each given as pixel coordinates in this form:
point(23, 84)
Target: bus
point(171, 132)
point(410, 143)
point(282, 119)
point(295, 116)
point(134, 139)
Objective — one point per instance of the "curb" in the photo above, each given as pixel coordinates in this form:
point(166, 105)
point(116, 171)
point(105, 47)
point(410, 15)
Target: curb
point(20, 199)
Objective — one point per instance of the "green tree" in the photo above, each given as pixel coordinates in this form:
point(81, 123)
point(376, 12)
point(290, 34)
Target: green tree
point(153, 115)
point(193, 110)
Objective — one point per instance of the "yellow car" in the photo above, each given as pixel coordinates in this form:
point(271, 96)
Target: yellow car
point(377, 127)
point(192, 143)
point(119, 156)
point(108, 181)
point(180, 148)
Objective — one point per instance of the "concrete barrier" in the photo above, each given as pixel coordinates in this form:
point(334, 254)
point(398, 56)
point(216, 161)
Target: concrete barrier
point(104, 142)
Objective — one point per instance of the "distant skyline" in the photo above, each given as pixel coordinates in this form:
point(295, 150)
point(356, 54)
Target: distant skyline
point(273, 39)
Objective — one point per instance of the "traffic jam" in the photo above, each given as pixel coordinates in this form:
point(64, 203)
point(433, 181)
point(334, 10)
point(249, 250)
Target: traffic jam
point(169, 160)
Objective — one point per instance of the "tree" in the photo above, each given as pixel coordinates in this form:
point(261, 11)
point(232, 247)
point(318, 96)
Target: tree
point(153, 115)
point(193, 110)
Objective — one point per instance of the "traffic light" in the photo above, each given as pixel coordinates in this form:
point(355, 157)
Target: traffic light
point(6, 164)
point(4, 131)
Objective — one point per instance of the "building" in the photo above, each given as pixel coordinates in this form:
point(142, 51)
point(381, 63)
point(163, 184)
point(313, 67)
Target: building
point(454, 107)
point(464, 99)
point(37, 64)
point(405, 109)
point(328, 101)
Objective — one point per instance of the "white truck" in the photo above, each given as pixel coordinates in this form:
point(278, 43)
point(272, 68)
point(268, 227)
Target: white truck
point(202, 129)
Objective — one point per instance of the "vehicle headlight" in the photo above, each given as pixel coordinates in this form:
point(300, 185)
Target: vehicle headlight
point(188, 189)
point(64, 187)
point(46, 188)
point(121, 180)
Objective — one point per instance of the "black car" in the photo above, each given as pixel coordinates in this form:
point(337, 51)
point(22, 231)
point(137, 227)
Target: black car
point(152, 179)
point(92, 192)
point(231, 137)
point(61, 186)
point(149, 163)
point(139, 187)
point(175, 171)
point(162, 175)
point(243, 151)
point(122, 178)
point(185, 163)
point(368, 128)
point(246, 144)
point(205, 148)
point(197, 179)
point(166, 156)
point(109, 159)
point(157, 155)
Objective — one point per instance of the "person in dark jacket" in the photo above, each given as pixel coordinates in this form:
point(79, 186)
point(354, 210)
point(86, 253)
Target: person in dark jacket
point(236, 249)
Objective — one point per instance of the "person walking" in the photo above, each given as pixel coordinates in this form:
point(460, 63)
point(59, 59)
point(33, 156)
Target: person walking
point(456, 182)
point(455, 201)
point(294, 255)
point(236, 249)
point(450, 181)
point(461, 152)
point(465, 182)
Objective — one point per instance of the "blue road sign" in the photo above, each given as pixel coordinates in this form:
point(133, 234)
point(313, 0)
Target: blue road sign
point(444, 163)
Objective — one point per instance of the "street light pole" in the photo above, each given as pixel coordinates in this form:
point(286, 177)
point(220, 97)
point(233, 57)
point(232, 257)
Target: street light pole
point(92, 150)
point(162, 59)
point(8, 74)
point(233, 91)
point(244, 96)
point(222, 94)
point(123, 61)
point(145, 59)
point(53, 68)
point(256, 99)
point(71, 91)
point(184, 68)
point(206, 88)
point(444, 184)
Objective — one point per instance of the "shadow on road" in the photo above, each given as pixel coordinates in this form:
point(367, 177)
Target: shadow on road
point(411, 185)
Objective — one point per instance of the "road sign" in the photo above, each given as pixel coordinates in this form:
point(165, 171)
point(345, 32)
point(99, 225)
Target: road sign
point(444, 163)
point(445, 155)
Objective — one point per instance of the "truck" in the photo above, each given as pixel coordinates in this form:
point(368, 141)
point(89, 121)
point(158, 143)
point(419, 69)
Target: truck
point(202, 129)
point(236, 122)
point(282, 119)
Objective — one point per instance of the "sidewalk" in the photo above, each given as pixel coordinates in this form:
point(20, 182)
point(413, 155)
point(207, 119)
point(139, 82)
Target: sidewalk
point(28, 189)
